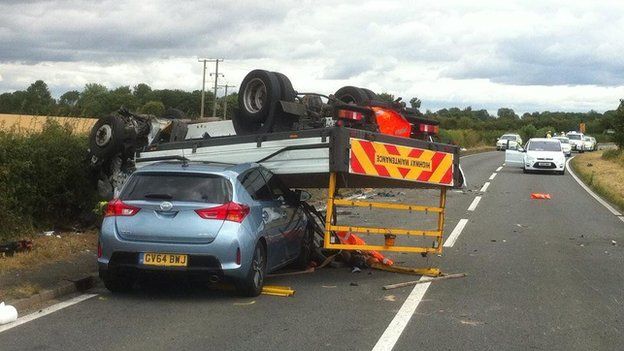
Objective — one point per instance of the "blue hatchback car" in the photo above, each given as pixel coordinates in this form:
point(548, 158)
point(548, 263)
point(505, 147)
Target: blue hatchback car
point(221, 221)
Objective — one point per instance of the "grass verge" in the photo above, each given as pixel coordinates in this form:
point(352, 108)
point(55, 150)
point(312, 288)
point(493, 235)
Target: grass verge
point(49, 249)
point(604, 176)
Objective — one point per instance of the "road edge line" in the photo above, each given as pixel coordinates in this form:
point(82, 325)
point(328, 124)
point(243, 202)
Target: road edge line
point(591, 192)
point(46, 311)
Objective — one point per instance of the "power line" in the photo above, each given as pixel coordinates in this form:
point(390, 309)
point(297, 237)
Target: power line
point(226, 86)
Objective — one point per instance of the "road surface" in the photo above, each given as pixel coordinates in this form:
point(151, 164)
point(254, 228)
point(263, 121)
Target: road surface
point(542, 274)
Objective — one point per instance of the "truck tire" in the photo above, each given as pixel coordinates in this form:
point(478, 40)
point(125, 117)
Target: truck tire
point(351, 95)
point(257, 96)
point(287, 91)
point(107, 137)
point(370, 94)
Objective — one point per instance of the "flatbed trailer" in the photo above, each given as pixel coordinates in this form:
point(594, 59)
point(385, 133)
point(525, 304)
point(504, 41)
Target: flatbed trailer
point(305, 159)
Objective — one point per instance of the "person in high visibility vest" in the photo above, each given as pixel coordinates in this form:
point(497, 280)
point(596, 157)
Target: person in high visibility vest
point(548, 135)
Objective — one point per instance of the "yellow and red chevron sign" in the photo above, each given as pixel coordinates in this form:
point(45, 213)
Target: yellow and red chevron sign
point(400, 162)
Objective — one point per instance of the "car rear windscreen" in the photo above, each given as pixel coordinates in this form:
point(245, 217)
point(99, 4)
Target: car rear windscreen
point(508, 137)
point(574, 137)
point(563, 140)
point(544, 146)
point(178, 187)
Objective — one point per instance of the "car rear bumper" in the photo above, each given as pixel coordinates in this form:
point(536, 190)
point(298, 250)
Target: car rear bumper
point(553, 166)
point(216, 258)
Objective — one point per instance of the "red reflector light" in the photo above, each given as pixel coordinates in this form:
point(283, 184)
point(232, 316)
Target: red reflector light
point(428, 128)
point(347, 114)
point(230, 211)
point(117, 208)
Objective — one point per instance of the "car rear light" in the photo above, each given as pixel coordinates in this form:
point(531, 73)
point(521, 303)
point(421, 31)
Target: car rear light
point(238, 256)
point(348, 114)
point(428, 128)
point(116, 208)
point(230, 211)
point(391, 122)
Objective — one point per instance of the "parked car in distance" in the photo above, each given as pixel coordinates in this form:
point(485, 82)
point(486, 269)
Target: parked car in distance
point(576, 140)
point(589, 143)
point(211, 220)
point(541, 154)
point(510, 141)
point(566, 147)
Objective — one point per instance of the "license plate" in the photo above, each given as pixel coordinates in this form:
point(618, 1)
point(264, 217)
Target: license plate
point(544, 163)
point(165, 260)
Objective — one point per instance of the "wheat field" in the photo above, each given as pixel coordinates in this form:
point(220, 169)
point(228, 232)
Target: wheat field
point(30, 124)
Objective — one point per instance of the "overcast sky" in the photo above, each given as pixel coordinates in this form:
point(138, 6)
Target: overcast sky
point(530, 55)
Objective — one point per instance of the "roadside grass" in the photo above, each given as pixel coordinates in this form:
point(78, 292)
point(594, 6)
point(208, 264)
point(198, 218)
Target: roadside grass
point(20, 291)
point(605, 176)
point(50, 249)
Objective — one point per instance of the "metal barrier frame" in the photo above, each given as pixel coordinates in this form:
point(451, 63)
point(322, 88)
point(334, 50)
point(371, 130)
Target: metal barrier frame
point(330, 223)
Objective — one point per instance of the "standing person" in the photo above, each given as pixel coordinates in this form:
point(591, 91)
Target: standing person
point(548, 135)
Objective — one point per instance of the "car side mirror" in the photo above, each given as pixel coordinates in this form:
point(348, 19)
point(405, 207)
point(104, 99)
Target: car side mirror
point(303, 195)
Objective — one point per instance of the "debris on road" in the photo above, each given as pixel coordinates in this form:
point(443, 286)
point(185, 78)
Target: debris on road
point(309, 270)
point(540, 196)
point(424, 280)
point(276, 290)
point(390, 298)
point(613, 242)
point(10, 248)
point(431, 272)
point(244, 303)
point(8, 313)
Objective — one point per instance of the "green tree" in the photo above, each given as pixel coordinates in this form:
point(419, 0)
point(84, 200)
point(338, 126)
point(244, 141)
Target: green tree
point(385, 97)
point(142, 92)
point(155, 108)
point(92, 101)
point(529, 131)
point(67, 103)
point(415, 102)
point(121, 97)
point(38, 100)
point(508, 113)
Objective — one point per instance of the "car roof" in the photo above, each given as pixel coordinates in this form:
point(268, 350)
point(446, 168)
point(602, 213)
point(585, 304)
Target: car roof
point(543, 139)
point(197, 167)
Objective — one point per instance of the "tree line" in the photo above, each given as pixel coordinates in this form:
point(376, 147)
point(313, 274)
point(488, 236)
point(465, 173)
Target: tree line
point(96, 100)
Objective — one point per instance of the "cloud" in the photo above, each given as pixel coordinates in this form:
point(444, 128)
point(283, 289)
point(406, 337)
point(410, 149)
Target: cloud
point(483, 53)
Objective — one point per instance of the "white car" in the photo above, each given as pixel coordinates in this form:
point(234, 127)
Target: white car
point(576, 140)
point(541, 154)
point(566, 147)
point(508, 141)
point(589, 143)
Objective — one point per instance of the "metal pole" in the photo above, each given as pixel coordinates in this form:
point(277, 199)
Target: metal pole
point(214, 106)
point(226, 86)
point(201, 114)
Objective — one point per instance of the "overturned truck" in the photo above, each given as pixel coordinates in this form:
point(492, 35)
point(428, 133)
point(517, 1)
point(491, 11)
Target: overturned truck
point(349, 139)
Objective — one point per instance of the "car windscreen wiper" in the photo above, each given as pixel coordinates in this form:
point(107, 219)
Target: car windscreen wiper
point(158, 196)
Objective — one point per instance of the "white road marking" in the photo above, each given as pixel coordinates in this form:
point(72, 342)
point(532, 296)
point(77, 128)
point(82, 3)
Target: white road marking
point(484, 187)
point(46, 311)
point(499, 168)
point(394, 330)
point(450, 241)
point(474, 203)
point(492, 176)
point(590, 192)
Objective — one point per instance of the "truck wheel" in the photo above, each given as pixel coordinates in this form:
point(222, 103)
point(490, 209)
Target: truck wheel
point(351, 95)
point(370, 94)
point(258, 93)
point(107, 136)
point(252, 284)
point(287, 91)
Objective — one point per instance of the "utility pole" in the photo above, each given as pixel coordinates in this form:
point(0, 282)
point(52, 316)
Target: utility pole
point(216, 61)
point(226, 86)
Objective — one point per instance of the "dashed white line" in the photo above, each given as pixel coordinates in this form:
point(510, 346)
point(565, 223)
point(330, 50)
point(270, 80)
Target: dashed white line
point(46, 311)
point(484, 187)
point(450, 241)
point(474, 203)
point(499, 168)
point(401, 319)
point(492, 176)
